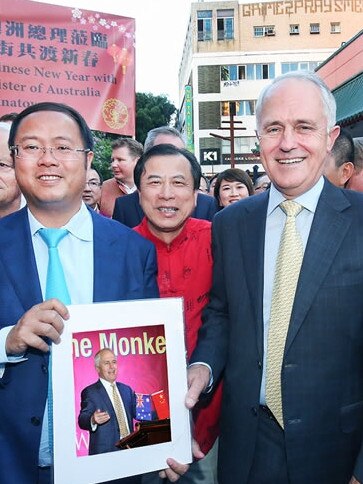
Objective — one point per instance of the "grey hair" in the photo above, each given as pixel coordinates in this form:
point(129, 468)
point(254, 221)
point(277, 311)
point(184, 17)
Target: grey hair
point(153, 133)
point(99, 354)
point(327, 97)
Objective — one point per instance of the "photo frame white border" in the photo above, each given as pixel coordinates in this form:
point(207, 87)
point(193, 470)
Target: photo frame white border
point(70, 469)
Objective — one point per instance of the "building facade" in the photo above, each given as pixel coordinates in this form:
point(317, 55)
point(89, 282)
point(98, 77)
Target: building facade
point(233, 49)
point(343, 73)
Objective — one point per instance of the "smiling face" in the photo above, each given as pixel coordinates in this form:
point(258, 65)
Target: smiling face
point(167, 195)
point(231, 191)
point(107, 366)
point(53, 189)
point(294, 138)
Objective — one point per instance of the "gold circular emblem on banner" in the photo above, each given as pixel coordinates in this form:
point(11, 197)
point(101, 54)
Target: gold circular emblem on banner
point(114, 113)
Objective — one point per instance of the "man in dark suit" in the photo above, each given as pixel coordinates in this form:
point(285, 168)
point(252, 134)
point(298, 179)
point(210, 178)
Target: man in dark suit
point(128, 209)
point(51, 148)
point(98, 412)
point(310, 430)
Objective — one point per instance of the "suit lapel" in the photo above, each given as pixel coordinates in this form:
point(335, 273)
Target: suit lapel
point(105, 398)
point(103, 259)
point(138, 208)
point(19, 261)
point(330, 225)
point(252, 240)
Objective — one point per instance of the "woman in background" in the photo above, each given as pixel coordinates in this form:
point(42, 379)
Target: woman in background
point(232, 185)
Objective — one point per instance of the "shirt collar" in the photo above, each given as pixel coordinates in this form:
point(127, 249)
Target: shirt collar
point(308, 200)
point(160, 243)
point(123, 186)
point(79, 225)
point(106, 383)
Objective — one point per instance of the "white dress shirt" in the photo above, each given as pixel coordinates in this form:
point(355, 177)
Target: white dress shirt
point(275, 223)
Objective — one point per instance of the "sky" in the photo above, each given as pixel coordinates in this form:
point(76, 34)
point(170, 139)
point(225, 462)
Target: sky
point(161, 27)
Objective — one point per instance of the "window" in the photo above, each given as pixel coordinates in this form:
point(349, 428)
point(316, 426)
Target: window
point(258, 31)
point(294, 29)
point(262, 31)
point(204, 25)
point(248, 71)
point(298, 66)
point(243, 108)
point(260, 71)
point(225, 24)
point(241, 145)
point(315, 28)
point(233, 73)
point(335, 28)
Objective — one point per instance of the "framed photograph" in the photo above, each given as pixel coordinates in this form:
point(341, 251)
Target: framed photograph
point(119, 384)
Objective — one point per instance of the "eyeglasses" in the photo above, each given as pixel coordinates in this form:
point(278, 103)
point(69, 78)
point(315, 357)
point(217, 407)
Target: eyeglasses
point(32, 152)
point(5, 167)
point(93, 184)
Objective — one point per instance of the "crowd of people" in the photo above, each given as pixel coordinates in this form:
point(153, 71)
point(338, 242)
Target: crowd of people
point(270, 272)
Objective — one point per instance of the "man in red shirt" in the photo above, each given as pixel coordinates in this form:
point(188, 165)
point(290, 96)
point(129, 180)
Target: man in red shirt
point(168, 179)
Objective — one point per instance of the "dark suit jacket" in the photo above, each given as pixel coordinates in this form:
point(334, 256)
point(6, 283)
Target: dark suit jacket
point(129, 212)
point(105, 436)
point(322, 371)
point(124, 268)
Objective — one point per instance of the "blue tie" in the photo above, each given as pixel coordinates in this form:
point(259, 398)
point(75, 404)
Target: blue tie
point(56, 282)
point(56, 287)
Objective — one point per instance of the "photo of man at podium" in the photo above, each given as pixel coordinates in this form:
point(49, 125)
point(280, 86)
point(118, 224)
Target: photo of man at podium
point(118, 418)
point(108, 407)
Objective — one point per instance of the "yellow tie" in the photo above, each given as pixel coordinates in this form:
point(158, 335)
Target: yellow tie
point(120, 415)
point(288, 265)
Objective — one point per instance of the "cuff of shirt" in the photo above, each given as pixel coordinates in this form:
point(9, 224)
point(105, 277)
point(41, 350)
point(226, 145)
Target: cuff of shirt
point(4, 358)
point(210, 384)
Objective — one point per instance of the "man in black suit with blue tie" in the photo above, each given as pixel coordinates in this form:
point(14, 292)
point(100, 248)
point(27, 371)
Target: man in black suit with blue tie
point(292, 409)
point(128, 209)
point(52, 148)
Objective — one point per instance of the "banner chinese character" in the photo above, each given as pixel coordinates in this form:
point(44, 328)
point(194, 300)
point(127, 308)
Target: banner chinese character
point(63, 54)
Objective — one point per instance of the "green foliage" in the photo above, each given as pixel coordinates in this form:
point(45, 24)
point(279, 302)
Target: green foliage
point(151, 112)
point(103, 152)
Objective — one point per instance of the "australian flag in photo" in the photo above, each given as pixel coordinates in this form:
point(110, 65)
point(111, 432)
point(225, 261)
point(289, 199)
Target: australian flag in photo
point(144, 407)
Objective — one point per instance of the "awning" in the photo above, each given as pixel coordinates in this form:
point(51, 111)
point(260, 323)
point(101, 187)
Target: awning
point(349, 99)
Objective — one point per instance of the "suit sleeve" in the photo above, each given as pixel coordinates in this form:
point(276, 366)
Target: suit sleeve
point(88, 407)
point(117, 213)
point(358, 468)
point(213, 334)
point(150, 271)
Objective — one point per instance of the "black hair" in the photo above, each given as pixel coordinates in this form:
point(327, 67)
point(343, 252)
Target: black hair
point(93, 167)
point(86, 133)
point(231, 175)
point(8, 117)
point(168, 150)
point(343, 148)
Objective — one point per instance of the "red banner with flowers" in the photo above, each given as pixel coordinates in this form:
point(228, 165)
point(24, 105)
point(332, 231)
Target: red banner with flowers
point(78, 57)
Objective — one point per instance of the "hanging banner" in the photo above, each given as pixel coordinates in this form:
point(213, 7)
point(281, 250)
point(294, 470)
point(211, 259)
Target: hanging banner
point(78, 57)
point(189, 118)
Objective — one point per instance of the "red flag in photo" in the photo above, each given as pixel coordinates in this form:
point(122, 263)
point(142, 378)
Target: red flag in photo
point(161, 404)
